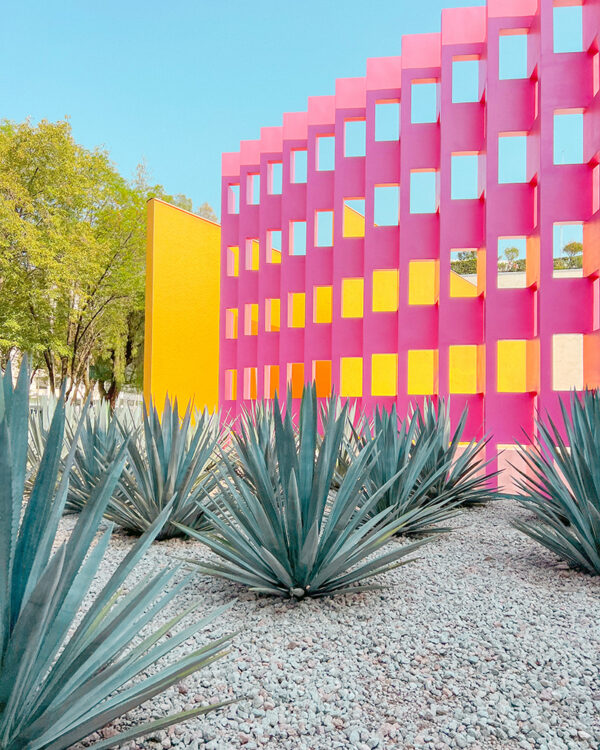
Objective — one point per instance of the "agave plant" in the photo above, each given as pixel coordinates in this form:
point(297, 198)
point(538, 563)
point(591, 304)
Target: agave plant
point(67, 670)
point(40, 416)
point(99, 442)
point(406, 467)
point(172, 461)
point(561, 484)
point(466, 478)
point(354, 437)
point(292, 538)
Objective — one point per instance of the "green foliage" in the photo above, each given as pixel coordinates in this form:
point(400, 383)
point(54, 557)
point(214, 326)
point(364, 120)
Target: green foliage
point(291, 538)
point(561, 484)
point(411, 470)
point(168, 465)
point(466, 479)
point(67, 670)
point(574, 257)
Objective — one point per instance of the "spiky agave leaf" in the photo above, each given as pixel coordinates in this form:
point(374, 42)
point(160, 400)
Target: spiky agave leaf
point(290, 538)
point(99, 442)
point(405, 467)
point(172, 461)
point(354, 435)
point(561, 483)
point(61, 681)
point(466, 477)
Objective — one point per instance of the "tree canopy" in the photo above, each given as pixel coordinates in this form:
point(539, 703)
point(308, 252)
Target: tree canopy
point(72, 257)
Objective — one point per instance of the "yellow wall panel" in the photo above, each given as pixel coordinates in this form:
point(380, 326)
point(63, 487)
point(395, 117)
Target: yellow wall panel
point(422, 372)
point(352, 297)
point(322, 304)
point(351, 376)
point(512, 366)
point(385, 290)
point(423, 282)
point(181, 354)
point(384, 374)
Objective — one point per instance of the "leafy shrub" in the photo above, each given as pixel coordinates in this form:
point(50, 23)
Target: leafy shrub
point(292, 537)
point(169, 464)
point(64, 672)
point(561, 484)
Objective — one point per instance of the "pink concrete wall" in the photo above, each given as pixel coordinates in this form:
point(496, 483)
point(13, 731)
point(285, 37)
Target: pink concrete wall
point(552, 193)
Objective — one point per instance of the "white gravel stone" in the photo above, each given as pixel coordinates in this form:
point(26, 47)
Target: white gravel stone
point(484, 642)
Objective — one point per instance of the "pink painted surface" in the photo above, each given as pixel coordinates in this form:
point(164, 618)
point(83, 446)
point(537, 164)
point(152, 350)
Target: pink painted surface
point(552, 193)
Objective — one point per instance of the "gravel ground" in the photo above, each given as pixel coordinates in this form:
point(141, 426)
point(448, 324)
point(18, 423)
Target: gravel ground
point(483, 642)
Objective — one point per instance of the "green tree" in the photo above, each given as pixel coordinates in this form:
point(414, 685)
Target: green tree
point(72, 258)
point(574, 253)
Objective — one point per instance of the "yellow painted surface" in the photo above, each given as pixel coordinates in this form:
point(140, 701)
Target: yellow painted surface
point(296, 310)
point(384, 374)
point(465, 368)
point(271, 380)
point(233, 261)
point(231, 385)
point(252, 255)
point(250, 381)
point(354, 223)
point(512, 366)
point(385, 290)
point(423, 282)
point(461, 287)
point(295, 378)
point(322, 304)
point(251, 319)
point(422, 372)
point(352, 297)
point(351, 376)
point(272, 314)
point(181, 354)
point(322, 377)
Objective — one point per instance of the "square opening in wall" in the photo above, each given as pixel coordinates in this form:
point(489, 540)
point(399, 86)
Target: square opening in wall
point(567, 361)
point(299, 165)
point(513, 54)
point(272, 314)
point(252, 254)
point(275, 177)
point(568, 27)
point(465, 362)
point(233, 199)
point(230, 385)
point(422, 367)
point(271, 381)
point(253, 189)
point(512, 158)
point(231, 323)
point(322, 304)
point(423, 191)
point(233, 261)
point(512, 366)
point(296, 310)
point(295, 378)
point(273, 245)
point(512, 262)
point(354, 217)
point(568, 137)
point(464, 176)
point(464, 269)
point(387, 205)
point(384, 375)
point(423, 282)
point(353, 297)
point(351, 377)
point(251, 319)
point(387, 120)
point(297, 238)
point(322, 377)
point(325, 153)
point(424, 101)
point(567, 245)
point(323, 228)
point(355, 137)
point(250, 382)
point(385, 290)
point(465, 79)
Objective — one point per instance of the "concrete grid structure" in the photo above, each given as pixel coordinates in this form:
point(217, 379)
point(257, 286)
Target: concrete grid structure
point(383, 318)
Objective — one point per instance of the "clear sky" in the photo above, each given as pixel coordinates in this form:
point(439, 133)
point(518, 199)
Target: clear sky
point(178, 82)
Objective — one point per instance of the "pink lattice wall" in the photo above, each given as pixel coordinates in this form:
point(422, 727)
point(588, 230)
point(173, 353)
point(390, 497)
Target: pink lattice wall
point(547, 303)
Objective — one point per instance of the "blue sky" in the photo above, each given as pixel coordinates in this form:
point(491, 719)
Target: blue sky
point(177, 83)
